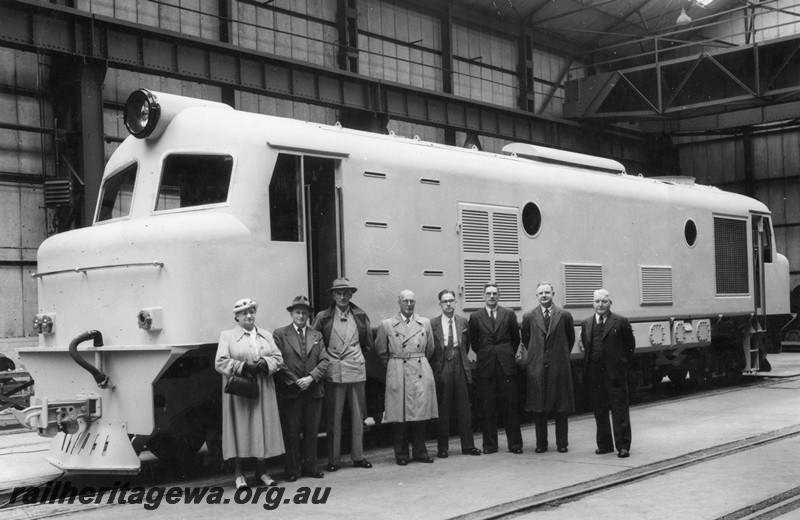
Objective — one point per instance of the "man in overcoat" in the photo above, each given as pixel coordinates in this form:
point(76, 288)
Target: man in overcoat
point(548, 333)
point(347, 334)
point(494, 336)
point(452, 372)
point(301, 390)
point(608, 345)
point(404, 346)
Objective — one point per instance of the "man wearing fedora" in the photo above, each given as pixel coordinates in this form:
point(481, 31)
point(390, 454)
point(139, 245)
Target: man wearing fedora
point(302, 390)
point(347, 334)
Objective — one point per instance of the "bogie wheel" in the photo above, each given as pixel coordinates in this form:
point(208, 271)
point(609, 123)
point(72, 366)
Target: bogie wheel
point(677, 374)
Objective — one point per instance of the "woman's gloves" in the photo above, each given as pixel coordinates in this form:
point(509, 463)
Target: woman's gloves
point(252, 368)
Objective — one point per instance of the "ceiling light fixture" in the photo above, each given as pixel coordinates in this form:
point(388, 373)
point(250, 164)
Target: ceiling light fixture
point(683, 18)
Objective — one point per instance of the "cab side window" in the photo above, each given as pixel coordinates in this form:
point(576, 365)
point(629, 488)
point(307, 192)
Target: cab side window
point(189, 180)
point(286, 200)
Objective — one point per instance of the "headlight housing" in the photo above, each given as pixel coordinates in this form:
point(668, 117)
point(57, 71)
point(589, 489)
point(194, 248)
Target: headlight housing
point(142, 113)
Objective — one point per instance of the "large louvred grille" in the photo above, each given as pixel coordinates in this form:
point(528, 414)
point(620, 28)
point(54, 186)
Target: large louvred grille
point(730, 256)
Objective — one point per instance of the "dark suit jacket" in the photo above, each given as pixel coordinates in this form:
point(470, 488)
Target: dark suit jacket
point(462, 329)
point(618, 340)
point(295, 367)
point(496, 344)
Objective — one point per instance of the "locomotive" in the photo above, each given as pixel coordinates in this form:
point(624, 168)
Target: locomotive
point(203, 204)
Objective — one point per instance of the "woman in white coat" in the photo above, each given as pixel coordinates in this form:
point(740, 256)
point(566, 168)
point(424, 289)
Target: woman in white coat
point(250, 427)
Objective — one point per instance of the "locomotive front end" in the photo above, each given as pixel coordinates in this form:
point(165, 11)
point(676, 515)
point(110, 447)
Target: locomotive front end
point(130, 308)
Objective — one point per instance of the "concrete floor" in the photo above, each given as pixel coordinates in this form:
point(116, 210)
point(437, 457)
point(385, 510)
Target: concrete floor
point(461, 485)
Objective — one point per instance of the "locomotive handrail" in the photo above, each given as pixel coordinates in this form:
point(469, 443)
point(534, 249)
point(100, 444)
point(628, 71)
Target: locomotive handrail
point(96, 267)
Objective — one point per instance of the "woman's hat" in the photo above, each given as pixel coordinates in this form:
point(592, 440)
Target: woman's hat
point(244, 304)
point(299, 301)
point(341, 284)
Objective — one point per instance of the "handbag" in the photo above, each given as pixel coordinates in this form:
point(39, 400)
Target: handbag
point(242, 386)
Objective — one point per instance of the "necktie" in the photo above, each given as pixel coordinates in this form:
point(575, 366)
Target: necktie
point(450, 333)
point(302, 334)
point(492, 315)
point(547, 318)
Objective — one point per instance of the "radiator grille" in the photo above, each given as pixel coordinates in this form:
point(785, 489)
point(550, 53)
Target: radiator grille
point(730, 256)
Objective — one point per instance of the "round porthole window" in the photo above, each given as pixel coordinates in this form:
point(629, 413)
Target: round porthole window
point(531, 219)
point(690, 232)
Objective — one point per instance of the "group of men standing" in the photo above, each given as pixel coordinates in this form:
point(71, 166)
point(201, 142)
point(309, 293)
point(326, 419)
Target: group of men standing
point(428, 374)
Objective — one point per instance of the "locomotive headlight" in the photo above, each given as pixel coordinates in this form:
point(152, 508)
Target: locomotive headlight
point(142, 113)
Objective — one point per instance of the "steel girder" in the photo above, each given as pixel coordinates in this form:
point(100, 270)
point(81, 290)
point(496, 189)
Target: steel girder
point(745, 86)
point(50, 29)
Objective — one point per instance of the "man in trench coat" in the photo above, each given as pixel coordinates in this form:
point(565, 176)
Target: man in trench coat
point(548, 333)
point(404, 346)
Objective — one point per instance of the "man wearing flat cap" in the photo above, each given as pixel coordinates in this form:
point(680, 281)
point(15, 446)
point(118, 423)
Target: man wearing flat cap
point(608, 343)
point(347, 334)
point(302, 390)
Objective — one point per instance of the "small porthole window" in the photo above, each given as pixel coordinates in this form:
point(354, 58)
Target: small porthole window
point(690, 232)
point(531, 219)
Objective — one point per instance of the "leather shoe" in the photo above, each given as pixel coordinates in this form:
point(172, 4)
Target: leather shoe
point(331, 467)
point(363, 463)
point(426, 460)
point(540, 449)
point(471, 451)
point(516, 451)
point(602, 451)
point(402, 462)
point(266, 480)
point(489, 451)
point(623, 453)
point(291, 478)
point(240, 482)
point(442, 455)
point(563, 449)
point(313, 474)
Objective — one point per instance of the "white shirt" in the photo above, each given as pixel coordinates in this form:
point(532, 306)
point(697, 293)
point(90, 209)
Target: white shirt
point(445, 325)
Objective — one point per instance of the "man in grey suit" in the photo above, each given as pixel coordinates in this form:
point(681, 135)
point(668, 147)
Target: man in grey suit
point(548, 334)
point(494, 336)
point(302, 390)
point(451, 369)
point(608, 345)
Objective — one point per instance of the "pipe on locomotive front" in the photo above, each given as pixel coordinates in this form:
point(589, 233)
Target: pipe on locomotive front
point(99, 377)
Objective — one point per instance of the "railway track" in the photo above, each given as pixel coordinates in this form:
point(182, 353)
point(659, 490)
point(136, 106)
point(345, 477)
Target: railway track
point(561, 496)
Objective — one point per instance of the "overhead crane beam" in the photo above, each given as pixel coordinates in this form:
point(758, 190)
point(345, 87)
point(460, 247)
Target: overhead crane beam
point(745, 86)
point(51, 29)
